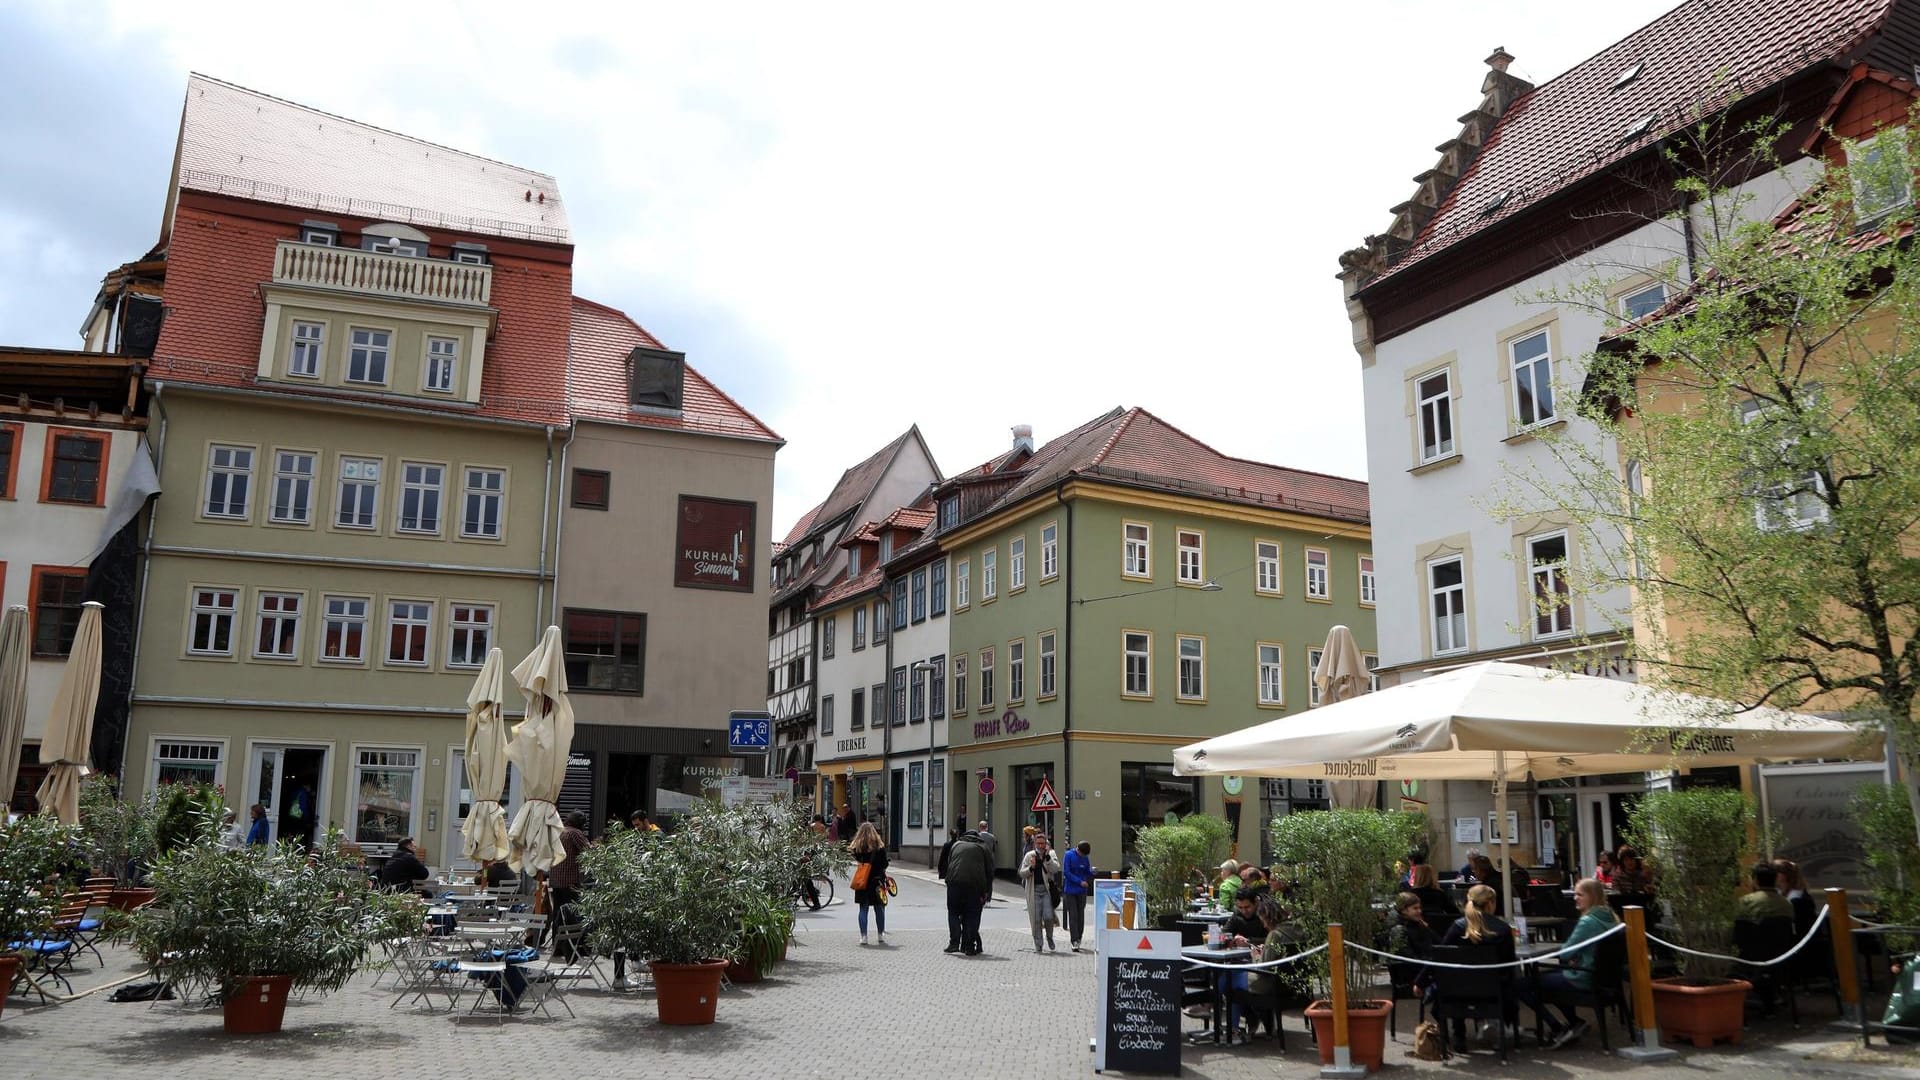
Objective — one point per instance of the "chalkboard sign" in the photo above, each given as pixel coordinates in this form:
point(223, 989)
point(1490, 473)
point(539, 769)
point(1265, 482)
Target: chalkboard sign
point(1139, 1025)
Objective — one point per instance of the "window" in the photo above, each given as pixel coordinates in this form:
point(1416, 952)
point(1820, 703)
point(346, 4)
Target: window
point(857, 716)
point(879, 621)
point(859, 628)
point(57, 597)
point(986, 678)
point(920, 595)
point(1644, 301)
point(1193, 668)
point(469, 635)
point(949, 512)
point(899, 709)
point(1372, 661)
point(1136, 649)
point(307, 346)
point(827, 626)
point(900, 604)
point(359, 500)
point(960, 684)
point(1192, 568)
point(1634, 490)
point(229, 481)
point(386, 782)
point(443, 355)
point(1447, 590)
point(186, 762)
point(1434, 394)
point(917, 706)
point(607, 651)
point(408, 622)
point(486, 490)
point(1272, 669)
point(1266, 567)
point(1547, 568)
point(937, 687)
point(1049, 551)
point(989, 575)
point(292, 488)
point(1017, 564)
point(1881, 176)
point(1369, 590)
point(938, 583)
point(420, 497)
point(1532, 379)
point(1016, 672)
point(826, 714)
point(76, 469)
point(470, 258)
point(323, 237)
point(960, 586)
point(937, 793)
point(212, 627)
point(1314, 653)
point(853, 562)
point(344, 634)
point(277, 626)
point(1319, 587)
point(1151, 795)
point(590, 488)
point(1790, 493)
point(1135, 550)
point(1048, 669)
point(367, 356)
point(9, 458)
point(877, 702)
point(916, 794)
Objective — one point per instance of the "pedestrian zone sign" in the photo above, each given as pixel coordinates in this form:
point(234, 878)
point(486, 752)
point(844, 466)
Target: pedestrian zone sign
point(1045, 800)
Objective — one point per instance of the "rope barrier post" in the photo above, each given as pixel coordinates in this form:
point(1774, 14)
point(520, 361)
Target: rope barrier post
point(1640, 974)
point(1343, 1067)
point(1846, 971)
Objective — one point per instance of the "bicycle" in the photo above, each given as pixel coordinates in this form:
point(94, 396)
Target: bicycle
point(822, 891)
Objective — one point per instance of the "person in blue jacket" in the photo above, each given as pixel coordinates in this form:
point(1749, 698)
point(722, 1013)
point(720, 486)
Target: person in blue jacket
point(1076, 877)
point(257, 832)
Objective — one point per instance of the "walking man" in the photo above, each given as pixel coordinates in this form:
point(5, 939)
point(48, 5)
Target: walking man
point(969, 878)
point(992, 844)
point(1041, 875)
point(1076, 883)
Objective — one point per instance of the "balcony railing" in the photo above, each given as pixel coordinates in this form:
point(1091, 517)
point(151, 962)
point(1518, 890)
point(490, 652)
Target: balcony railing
point(402, 276)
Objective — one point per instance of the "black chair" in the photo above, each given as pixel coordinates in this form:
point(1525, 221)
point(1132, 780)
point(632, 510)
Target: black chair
point(1461, 995)
point(1759, 940)
point(1608, 971)
point(1403, 974)
point(1260, 1008)
point(1812, 967)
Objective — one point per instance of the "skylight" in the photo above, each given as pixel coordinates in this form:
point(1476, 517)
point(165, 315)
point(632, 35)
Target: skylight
point(1637, 128)
point(1627, 75)
point(1494, 206)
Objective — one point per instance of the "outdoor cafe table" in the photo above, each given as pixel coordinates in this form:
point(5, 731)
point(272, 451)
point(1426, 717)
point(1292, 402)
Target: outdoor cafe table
point(1222, 980)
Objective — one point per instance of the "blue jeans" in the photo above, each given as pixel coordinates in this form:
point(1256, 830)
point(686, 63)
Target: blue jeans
point(1551, 982)
point(879, 918)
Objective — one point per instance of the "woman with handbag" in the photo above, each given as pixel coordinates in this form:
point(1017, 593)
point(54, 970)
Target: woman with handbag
point(1040, 872)
point(870, 879)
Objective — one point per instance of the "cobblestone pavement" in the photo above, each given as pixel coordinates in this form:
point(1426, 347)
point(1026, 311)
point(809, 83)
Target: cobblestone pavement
point(835, 1009)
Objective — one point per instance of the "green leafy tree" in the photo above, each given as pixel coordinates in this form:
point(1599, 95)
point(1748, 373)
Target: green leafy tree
point(1892, 854)
point(34, 850)
point(1335, 865)
point(1173, 858)
point(118, 833)
point(1696, 844)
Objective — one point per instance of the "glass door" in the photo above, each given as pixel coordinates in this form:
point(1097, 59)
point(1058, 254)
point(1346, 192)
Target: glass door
point(266, 770)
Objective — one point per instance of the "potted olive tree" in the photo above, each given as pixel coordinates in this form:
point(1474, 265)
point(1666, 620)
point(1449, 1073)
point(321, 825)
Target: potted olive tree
point(1335, 865)
point(33, 851)
point(1695, 842)
point(774, 847)
point(118, 833)
point(1172, 859)
point(255, 923)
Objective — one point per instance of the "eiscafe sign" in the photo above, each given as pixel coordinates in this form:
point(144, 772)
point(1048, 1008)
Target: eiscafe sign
point(713, 545)
point(1007, 723)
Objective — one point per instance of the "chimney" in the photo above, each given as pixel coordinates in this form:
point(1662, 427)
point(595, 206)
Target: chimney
point(1023, 437)
point(1500, 58)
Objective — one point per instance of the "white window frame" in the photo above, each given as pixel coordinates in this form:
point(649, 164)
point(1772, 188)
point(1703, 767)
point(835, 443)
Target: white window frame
point(1369, 581)
point(429, 491)
point(986, 678)
point(439, 366)
point(1457, 608)
point(1047, 645)
point(229, 465)
point(1314, 655)
point(368, 354)
point(270, 607)
point(1128, 657)
point(470, 491)
point(1777, 507)
point(1049, 551)
point(369, 500)
point(1863, 154)
point(1016, 564)
point(204, 601)
point(1136, 551)
point(1320, 583)
point(1434, 412)
point(1266, 568)
point(961, 688)
point(1270, 676)
point(1191, 566)
point(295, 481)
point(1017, 671)
point(1531, 371)
point(344, 618)
point(1190, 667)
point(361, 763)
point(306, 352)
point(214, 752)
point(1627, 299)
point(412, 619)
point(1552, 577)
point(323, 237)
point(962, 585)
point(989, 575)
point(461, 625)
point(1371, 661)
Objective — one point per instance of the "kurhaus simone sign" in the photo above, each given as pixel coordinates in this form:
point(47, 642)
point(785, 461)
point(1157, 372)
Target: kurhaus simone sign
point(713, 545)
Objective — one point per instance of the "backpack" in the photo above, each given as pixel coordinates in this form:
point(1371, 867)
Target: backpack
point(1427, 1043)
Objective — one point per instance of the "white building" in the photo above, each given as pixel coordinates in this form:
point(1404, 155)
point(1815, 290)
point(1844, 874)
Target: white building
point(916, 748)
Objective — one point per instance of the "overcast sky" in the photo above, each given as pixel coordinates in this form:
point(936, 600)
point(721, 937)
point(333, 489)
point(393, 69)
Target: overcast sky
point(852, 217)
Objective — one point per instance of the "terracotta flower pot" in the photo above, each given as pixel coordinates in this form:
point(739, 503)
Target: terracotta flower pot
point(1704, 1014)
point(9, 967)
point(128, 899)
point(1366, 1031)
point(742, 971)
point(258, 1007)
point(687, 993)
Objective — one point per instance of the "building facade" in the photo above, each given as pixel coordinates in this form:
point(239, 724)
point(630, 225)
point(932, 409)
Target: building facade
point(915, 751)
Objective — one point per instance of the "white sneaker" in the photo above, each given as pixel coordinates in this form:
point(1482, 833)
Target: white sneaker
point(879, 939)
point(863, 939)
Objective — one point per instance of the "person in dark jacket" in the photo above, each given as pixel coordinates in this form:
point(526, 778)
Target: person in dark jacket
point(1076, 884)
point(1425, 885)
point(868, 849)
point(403, 869)
point(1478, 925)
point(845, 824)
point(257, 828)
point(969, 877)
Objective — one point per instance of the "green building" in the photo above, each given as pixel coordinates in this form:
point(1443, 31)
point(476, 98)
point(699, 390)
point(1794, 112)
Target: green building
point(1123, 590)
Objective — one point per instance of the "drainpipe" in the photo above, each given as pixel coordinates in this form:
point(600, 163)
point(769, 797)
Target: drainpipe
point(1066, 679)
point(146, 571)
point(559, 525)
point(546, 514)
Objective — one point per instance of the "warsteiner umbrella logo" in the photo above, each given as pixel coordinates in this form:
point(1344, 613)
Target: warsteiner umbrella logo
point(1700, 742)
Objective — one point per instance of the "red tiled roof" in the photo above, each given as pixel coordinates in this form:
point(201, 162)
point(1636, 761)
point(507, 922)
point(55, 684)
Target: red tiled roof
point(800, 527)
point(856, 484)
point(847, 589)
point(1699, 57)
point(597, 381)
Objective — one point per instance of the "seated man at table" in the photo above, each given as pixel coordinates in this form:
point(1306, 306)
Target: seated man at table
point(1245, 920)
point(1575, 972)
point(403, 868)
point(1765, 901)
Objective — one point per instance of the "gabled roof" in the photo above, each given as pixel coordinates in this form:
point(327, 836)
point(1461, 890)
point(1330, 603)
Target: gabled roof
point(240, 142)
point(1859, 79)
point(597, 351)
point(800, 528)
point(1696, 59)
point(848, 588)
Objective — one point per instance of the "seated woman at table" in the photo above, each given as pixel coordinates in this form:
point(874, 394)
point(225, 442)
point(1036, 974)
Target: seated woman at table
point(403, 868)
point(1479, 925)
point(1229, 883)
point(1792, 885)
point(1408, 934)
point(1261, 996)
point(1603, 870)
point(1424, 885)
point(1575, 972)
point(1630, 873)
point(499, 874)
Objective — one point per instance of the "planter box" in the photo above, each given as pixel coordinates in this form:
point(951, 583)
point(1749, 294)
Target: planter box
point(1366, 1031)
point(1704, 1014)
point(687, 993)
point(259, 1007)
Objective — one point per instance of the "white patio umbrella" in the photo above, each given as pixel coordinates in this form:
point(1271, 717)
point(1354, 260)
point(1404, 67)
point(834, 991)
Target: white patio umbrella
point(484, 836)
point(70, 723)
point(13, 697)
point(540, 744)
point(1342, 676)
point(1496, 721)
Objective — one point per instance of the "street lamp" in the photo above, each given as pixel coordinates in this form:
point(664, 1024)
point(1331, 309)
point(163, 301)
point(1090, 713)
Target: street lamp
point(1211, 585)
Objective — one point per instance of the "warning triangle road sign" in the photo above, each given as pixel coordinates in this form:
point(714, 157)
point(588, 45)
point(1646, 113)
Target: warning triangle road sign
point(1045, 800)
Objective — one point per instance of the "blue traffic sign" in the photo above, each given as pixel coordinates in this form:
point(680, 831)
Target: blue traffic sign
point(749, 733)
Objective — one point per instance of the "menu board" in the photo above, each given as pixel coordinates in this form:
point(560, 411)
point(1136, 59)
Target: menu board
point(1139, 1025)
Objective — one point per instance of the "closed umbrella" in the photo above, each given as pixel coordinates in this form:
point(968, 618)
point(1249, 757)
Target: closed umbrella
point(539, 747)
point(1343, 675)
point(70, 724)
point(13, 697)
point(484, 836)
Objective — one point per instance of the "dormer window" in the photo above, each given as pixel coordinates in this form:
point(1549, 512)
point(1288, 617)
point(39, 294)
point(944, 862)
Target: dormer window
point(656, 378)
point(949, 512)
point(853, 562)
point(390, 238)
point(1881, 174)
point(471, 254)
point(323, 233)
